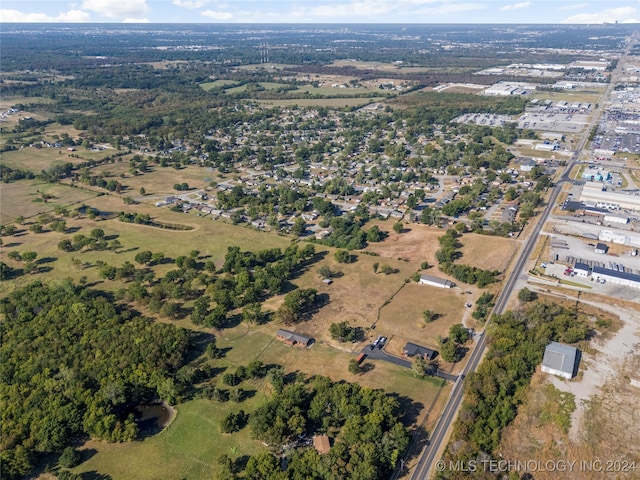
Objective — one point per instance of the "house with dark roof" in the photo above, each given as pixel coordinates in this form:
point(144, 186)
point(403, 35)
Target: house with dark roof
point(582, 269)
point(560, 359)
point(412, 349)
point(601, 248)
point(293, 338)
point(627, 279)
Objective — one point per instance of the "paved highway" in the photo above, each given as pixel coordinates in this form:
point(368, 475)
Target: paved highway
point(439, 434)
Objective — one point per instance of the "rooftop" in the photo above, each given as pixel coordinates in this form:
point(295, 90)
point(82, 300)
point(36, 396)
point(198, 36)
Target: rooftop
point(560, 357)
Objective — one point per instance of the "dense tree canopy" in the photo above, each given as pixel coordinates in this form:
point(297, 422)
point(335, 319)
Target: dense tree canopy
point(73, 362)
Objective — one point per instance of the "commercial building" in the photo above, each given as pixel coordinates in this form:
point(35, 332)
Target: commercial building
point(560, 359)
point(627, 279)
point(595, 194)
point(626, 238)
point(610, 218)
point(601, 248)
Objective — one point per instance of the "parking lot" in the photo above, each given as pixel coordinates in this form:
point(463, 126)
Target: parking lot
point(555, 122)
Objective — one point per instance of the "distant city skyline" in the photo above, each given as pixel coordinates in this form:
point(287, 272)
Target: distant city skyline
point(322, 11)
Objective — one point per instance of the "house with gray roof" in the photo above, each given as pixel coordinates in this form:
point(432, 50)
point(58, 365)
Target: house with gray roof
point(293, 338)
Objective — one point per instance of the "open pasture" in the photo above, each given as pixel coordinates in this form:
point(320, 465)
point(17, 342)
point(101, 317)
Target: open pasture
point(487, 252)
point(24, 198)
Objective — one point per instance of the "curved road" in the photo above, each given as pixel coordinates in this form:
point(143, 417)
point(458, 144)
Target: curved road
point(439, 434)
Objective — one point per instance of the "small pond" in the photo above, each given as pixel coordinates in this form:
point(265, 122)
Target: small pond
point(153, 417)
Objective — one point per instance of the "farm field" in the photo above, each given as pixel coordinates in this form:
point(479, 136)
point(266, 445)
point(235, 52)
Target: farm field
point(210, 237)
point(265, 85)
point(158, 180)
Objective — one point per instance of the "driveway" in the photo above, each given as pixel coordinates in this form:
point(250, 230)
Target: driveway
point(379, 354)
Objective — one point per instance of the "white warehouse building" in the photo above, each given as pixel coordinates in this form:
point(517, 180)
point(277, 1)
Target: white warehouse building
point(560, 359)
point(619, 238)
point(619, 278)
point(609, 218)
point(593, 194)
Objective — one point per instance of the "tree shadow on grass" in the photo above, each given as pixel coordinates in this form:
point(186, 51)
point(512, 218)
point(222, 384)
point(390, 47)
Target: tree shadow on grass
point(93, 475)
point(409, 409)
point(43, 260)
point(12, 245)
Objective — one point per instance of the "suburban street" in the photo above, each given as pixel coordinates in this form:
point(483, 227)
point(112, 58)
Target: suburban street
point(518, 273)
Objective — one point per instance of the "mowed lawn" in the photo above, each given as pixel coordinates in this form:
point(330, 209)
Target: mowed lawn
point(188, 448)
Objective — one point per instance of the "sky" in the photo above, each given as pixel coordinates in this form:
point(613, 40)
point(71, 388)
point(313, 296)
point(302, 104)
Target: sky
point(321, 11)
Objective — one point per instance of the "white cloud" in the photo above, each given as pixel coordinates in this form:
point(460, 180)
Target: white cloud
point(126, 9)
point(449, 8)
point(7, 15)
point(374, 10)
point(620, 14)
point(191, 3)
point(216, 15)
point(515, 6)
point(136, 20)
point(575, 6)
point(352, 10)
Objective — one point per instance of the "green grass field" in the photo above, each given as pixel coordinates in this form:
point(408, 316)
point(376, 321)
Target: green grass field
point(188, 448)
point(265, 85)
point(217, 83)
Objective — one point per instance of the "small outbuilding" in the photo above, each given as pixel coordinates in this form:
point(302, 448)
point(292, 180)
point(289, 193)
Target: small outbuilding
point(412, 349)
point(322, 444)
point(601, 248)
point(560, 359)
point(435, 281)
